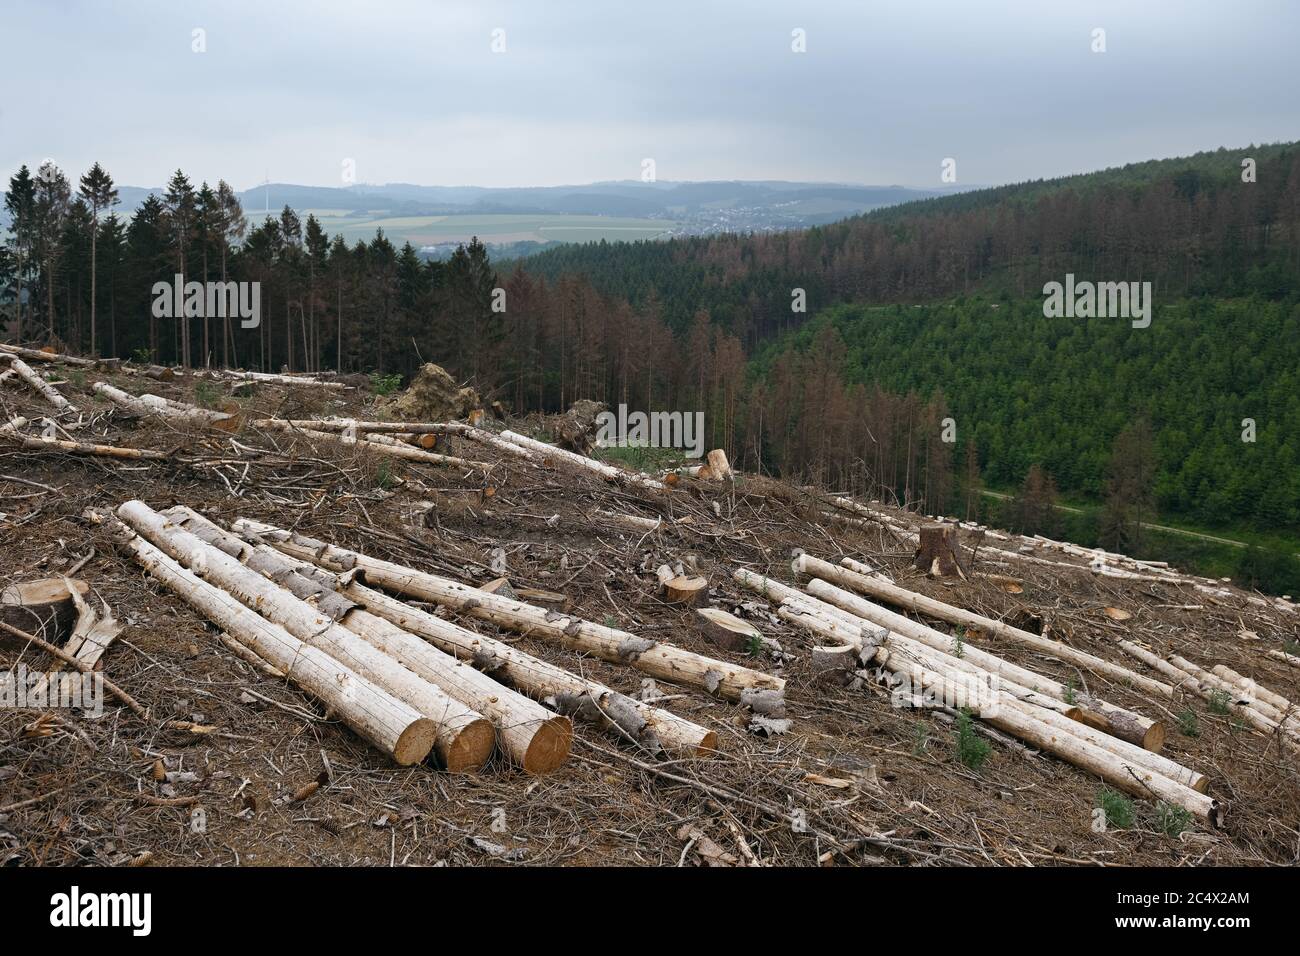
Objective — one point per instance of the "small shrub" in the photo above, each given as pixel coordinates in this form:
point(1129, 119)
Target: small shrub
point(971, 747)
point(142, 356)
point(754, 646)
point(920, 737)
point(1071, 695)
point(384, 477)
point(1220, 702)
point(1172, 820)
point(206, 394)
point(1117, 807)
point(385, 384)
point(1188, 725)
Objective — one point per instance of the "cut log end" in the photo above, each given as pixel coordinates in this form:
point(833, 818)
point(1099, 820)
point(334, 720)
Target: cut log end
point(726, 630)
point(550, 746)
point(1154, 740)
point(414, 743)
point(471, 747)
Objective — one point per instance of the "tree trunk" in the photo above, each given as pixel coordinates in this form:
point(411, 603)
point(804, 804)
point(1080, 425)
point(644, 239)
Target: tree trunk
point(393, 726)
point(463, 737)
point(920, 604)
point(532, 736)
point(147, 405)
point(664, 661)
point(938, 553)
point(42, 387)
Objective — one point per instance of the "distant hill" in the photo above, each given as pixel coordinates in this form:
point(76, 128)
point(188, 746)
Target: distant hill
point(409, 212)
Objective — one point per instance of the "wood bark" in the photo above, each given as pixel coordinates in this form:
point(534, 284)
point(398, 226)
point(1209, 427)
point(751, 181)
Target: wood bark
point(35, 443)
point(463, 737)
point(530, 735)
point(42, 387)
point(392, 725)
point(938, 552)
point(572, 460)
point(920, 604)
point(651, 727)
point(169, 409)
point(663, 661)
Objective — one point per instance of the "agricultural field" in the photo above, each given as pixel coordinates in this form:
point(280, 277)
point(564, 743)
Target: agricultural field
point(356, 225)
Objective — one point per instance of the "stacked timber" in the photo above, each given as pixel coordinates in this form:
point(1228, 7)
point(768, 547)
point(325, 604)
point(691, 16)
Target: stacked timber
point(655, 658)
point(927, 666)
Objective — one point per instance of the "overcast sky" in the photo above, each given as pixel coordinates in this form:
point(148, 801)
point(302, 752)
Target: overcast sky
point(411, 90)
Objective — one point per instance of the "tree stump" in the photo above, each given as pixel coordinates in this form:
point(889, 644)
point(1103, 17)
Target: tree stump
point(43, 607)
point(938, 553)
point(727, 630)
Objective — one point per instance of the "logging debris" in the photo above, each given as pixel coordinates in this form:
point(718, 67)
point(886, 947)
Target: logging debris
point(657, 757)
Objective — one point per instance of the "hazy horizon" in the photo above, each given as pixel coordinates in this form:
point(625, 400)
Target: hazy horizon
point(293, 92)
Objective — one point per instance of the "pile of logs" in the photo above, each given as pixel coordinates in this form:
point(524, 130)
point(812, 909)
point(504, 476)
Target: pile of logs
point(1264, 709)
point(866, 640)
point(407, 681)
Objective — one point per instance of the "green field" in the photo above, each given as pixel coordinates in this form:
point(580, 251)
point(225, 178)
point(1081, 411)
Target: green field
point(490, 227)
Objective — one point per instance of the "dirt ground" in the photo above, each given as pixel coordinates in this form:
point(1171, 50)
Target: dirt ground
point(854, 781)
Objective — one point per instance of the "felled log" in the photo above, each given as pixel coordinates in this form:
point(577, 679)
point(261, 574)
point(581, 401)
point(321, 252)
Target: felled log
point(40, 355)
point(938, 552)
point(392, 725)
point(1115, 770)
point(358, 426)
point(1111, 718)
point(651, 727)
point(663, 661)
point(44, 607)
point(530, 735)
point(167, 408)
point(1253, 687)
point(726, 630)
point(483, 437)
point(680, 588)
point(376, 442)
point(630, 522)
point(571, 460)
point(1065, 719)
point(274, 379)
point(42, 387)
point(920, 604)
point(463, 737)
point(1285, 658)
point(35, 443)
